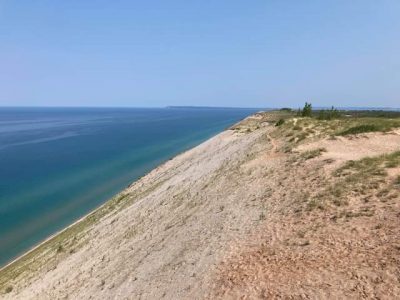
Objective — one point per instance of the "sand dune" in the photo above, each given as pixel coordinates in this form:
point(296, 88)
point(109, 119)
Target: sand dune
point(231, 218)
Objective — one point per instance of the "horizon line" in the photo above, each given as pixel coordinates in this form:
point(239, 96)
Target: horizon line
point(202, 107)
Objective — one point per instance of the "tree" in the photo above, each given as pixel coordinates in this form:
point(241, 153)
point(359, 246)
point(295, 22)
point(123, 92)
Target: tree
point(307, 110)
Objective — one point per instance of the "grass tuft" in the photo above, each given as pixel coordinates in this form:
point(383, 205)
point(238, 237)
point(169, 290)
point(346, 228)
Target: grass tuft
point(312, 153)
point(280, 122)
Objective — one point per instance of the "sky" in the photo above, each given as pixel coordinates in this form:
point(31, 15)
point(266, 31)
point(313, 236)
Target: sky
point(206, 53)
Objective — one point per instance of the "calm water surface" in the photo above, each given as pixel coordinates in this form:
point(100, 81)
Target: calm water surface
point(58, 164)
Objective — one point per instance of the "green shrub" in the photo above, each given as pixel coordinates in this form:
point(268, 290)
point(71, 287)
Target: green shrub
point(361, 129)
point(9, 289)
point(307, 110)
point(280, 122)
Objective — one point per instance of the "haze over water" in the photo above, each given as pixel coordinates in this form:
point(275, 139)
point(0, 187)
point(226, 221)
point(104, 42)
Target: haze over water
point(57, 164)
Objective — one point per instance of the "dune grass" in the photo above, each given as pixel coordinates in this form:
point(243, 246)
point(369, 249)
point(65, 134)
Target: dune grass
point(364, 177)
point(362, 125)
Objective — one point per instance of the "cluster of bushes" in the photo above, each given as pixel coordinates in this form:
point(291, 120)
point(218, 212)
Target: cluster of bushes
point(334, 113)
point(330, 114)
point(373, 114)
point(322, 114)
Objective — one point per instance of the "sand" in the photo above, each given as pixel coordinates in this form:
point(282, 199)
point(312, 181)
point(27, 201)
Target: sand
point(228, 219)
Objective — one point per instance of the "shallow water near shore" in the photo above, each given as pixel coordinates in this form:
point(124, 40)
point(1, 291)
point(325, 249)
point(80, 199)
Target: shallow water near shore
point(57, 164)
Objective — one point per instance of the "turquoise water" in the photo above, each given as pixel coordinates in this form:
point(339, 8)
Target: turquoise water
point(57, 164)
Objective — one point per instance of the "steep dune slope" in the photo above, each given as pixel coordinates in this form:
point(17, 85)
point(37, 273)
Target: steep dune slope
point(161, 235)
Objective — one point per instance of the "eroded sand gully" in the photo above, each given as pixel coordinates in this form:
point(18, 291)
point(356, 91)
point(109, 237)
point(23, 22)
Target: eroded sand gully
point(229, 219)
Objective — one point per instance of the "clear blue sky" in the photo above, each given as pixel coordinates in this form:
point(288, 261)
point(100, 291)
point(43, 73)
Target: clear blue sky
point(214, 53)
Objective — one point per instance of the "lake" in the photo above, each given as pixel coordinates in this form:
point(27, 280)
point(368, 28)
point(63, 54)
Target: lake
point(58, 164)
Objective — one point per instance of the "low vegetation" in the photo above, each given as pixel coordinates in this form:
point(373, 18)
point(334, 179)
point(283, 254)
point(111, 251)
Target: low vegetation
point(365, 177)
point(312, 153)
point(363, 125)
point(331, 114)
point(307, 123)
point(369, 164)
point(360, 129)
point(280, 122)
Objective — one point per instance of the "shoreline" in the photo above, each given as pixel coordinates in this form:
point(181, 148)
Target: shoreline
point(93, 211)
point(228, 213)
point(63, 193)
point(54, 235)
point(84, 217)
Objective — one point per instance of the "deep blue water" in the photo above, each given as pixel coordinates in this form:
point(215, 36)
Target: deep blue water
point(57, 164)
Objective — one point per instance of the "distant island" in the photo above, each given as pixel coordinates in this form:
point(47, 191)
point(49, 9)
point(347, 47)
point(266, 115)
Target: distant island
point(212, 107)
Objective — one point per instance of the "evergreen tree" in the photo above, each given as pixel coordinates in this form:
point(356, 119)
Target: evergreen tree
point(307, 110)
